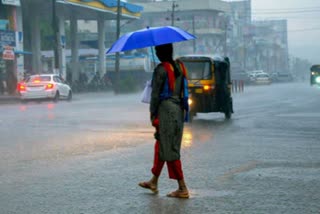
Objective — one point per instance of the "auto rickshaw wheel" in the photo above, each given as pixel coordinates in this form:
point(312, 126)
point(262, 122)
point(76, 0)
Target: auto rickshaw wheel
point(227, 114)
point(229, 109)
point(191, 115)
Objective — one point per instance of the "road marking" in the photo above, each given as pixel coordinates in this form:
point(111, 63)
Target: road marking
point(242, 168)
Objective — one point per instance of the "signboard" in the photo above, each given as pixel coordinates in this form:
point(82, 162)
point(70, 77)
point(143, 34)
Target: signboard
point(4, 24)
point(7, 38)
point(11, 2)
point(2, 64)
point(8, 53)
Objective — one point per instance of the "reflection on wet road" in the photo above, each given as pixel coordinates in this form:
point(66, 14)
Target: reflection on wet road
point(87, 156)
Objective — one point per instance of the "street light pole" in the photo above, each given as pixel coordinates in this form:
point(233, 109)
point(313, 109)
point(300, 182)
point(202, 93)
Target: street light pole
point(117, 62)
point(57, 42)
point(225, 37)
point(225, 19)
point(56, 36)
point(194, 33)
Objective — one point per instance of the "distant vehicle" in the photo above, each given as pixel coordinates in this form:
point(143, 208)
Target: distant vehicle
point(315, 75)
point(240, 75)
point(274, 76)
point(43, 86)
point(262, 78)
point(253, 75)
point(284, 77)
point(255, 72)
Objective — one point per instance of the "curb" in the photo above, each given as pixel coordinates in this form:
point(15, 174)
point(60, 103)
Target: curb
point(7, 99)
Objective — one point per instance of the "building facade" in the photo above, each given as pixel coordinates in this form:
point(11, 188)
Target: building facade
point(206, 19)
point(239, 34)
point(11, 45)
point(269, 49)
point(23, 19)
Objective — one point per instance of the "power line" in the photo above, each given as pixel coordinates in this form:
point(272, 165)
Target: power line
point(305, 29)
point(287, 12)
point(296, 30)
point(281, 15)
point(288, 9)
point(292, 16)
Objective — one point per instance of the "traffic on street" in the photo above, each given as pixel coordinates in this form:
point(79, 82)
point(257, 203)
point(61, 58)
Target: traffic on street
point(159, 107)
point(88, 155)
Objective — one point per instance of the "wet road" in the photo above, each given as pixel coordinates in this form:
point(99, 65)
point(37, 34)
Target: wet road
point(87, 156)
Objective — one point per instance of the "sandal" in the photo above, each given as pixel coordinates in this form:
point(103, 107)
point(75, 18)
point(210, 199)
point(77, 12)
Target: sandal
point(147, 185)
point(179, 194)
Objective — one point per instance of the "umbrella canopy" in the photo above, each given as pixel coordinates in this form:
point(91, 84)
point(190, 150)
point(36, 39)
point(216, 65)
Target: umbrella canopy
point(150, 36)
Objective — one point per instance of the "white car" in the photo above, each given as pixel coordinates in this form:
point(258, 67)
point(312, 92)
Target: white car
point(252, 74)
point(43, 86)
point(262, 79)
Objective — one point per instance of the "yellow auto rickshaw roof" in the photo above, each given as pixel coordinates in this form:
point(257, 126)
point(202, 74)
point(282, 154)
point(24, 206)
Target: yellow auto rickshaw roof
point(202, 56)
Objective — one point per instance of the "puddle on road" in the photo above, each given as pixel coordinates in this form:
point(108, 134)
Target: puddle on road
point(304, 115)
point(297, 173)
point(240, 169)
point(204, 193)
point(283, 170)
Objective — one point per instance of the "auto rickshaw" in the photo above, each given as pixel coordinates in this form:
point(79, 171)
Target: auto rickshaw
point(315, 75)
point(209, 84)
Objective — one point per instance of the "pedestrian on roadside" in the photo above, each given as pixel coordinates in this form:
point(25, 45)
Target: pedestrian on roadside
point(168, 111)
point(3, 81)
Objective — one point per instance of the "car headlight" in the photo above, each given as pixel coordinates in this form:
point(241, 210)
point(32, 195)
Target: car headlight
point(189, 101)
point(317, 79)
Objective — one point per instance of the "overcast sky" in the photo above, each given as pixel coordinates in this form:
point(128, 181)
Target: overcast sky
point(303, 24)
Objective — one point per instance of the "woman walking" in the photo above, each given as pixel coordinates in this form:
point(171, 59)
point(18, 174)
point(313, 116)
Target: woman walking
point(168, 110)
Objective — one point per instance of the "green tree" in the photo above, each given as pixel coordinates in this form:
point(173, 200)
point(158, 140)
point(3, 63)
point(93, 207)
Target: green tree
point(47, 34)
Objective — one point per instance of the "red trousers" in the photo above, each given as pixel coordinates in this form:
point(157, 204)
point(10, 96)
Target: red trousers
point(174, 167)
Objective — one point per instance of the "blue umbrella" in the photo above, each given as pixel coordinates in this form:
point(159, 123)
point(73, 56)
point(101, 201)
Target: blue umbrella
point(150, 36)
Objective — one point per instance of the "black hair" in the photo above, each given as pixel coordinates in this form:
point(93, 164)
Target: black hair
point(165, 54)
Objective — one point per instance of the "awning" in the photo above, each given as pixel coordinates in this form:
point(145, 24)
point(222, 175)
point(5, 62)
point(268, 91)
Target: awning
point(105, 6)
point(91, 43)
point(22, 52)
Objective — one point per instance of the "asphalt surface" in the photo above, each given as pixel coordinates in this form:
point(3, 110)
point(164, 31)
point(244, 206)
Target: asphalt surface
point(8, 99)
point(88, 156)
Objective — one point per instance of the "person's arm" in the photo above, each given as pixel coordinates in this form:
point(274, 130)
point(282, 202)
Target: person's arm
point(158, 79)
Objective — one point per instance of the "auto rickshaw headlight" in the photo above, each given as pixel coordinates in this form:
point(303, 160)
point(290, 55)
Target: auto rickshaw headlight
point(317, 79)
point(313, 73)
point(206, 87)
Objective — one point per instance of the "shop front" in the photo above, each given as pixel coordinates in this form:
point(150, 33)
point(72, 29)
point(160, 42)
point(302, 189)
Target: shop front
point(11, 64)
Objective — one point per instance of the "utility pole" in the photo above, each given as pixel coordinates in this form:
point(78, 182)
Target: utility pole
point(194, 33)
point(225, 37)
point(56, 37)
point(117, 62)
point(174, 6)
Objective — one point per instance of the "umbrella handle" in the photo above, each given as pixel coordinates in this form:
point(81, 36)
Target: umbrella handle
point(153, 59)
